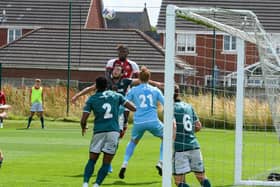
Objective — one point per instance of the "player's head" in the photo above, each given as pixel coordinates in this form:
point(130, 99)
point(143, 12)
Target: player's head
point(144, 74)
point(176, 92)
point(117, 72)
point(122, 52)
point(37, 82)
point(101, 83)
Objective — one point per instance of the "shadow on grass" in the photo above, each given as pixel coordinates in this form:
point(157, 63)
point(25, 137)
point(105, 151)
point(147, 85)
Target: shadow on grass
point(80, 176)
point(22, 128)
point(44, 181)
point(131, 183)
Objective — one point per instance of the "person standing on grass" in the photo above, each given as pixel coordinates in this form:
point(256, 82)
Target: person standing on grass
point(146, 98)
point(36, 102)
point(2, 102)
point(1, 158)
point(187, 156)
point(105, 105)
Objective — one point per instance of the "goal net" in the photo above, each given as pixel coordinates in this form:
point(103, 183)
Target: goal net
point(235, 92)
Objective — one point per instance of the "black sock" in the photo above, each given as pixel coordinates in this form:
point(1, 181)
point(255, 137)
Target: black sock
point(42, 122)
point(29, 122)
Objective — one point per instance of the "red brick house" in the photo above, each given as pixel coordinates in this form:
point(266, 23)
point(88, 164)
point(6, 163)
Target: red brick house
point(194, 44)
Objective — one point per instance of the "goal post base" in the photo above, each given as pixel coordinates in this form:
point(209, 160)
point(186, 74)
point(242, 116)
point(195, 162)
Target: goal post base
point(257, 183)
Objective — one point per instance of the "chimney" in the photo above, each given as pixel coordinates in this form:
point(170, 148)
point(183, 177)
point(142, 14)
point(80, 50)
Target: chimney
point(94, 17)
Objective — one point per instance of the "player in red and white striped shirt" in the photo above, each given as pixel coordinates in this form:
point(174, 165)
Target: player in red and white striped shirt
point(130, 68)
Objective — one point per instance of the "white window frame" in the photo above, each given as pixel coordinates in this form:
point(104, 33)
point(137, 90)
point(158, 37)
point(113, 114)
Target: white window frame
point(14, 31)
point(189, 44)
point(230, 43)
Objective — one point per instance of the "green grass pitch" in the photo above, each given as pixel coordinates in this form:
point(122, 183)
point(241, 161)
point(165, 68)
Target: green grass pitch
point(56, 156)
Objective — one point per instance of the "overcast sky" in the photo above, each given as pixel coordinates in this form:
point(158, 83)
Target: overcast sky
point(153, 7)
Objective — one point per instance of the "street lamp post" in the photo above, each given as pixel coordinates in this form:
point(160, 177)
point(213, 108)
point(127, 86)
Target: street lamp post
point(69, 56)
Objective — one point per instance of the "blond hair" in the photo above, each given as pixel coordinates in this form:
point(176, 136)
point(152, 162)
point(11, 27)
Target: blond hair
point(38, 80)
point(145, 74)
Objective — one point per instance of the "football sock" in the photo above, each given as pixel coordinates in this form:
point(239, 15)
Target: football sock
point(183, 185)
point(110, 169)
point(89, 170)
point(160, 152)
point(29, 122)
point(129, 151)
point(42, 122)
point(102, 173)
point(206, 183)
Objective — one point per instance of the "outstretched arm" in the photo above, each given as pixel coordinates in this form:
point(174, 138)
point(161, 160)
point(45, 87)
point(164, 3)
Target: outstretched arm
point(83, 92)
point(160, 85)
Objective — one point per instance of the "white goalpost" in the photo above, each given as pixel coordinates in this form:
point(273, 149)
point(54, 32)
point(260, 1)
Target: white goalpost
point(249, 73)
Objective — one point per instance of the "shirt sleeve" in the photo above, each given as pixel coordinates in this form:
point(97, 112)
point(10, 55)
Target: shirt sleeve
point(88, 106)
point(135, 67)
point(122, 99)
point(110, 64)
point(129, 95)
point(128, 81)
point(195, 117)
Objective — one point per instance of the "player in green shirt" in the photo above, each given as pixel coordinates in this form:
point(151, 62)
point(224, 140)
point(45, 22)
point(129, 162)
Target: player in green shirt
point(105, 106)
point(187, 156)
point(36, 102)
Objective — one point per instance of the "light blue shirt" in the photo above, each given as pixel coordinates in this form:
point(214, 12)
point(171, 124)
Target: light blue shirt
point(145, 97)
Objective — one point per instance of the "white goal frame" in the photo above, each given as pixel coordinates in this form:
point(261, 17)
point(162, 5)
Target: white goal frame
point(169, 91)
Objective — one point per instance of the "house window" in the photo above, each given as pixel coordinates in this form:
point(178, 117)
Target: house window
point(14, 34)
point(229, 43)
point(185, 43)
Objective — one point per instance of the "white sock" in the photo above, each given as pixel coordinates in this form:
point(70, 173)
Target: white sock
point(124, 165)
point(85, 184)
point(95, 185)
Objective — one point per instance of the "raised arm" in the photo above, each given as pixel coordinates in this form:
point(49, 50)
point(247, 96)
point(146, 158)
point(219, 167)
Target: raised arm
point(83, 92)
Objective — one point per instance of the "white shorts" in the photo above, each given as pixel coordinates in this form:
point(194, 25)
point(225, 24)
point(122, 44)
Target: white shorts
point(188, 161)
point(106, 142)
point(36, 107)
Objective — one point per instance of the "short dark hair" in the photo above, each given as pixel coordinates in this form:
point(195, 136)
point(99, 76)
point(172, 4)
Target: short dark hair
point(101, 83)
point(122, 46)
point(176, 92)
